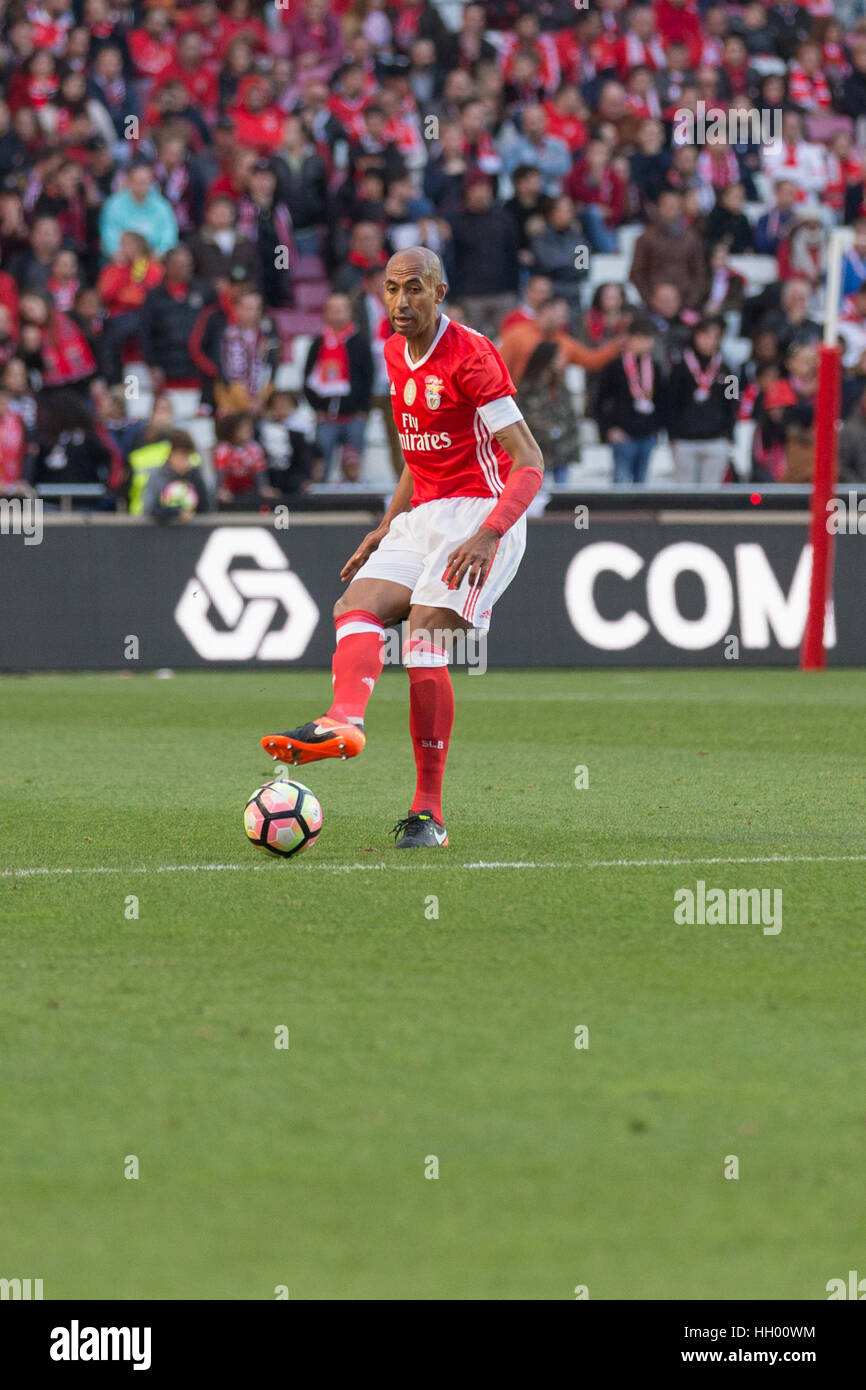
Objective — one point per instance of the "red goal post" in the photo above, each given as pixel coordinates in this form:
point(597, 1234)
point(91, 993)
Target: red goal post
point(813, 654)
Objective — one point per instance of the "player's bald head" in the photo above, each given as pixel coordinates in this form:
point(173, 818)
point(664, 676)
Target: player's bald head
point(413, 291)
point(417, 261)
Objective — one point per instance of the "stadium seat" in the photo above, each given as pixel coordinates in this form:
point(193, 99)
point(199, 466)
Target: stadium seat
point(310, 295)
point(291, 323)
point(626, 237)
point(744, 431)
point(756, 270)
point(736, 351)
point(309, 268)
point(604, 267)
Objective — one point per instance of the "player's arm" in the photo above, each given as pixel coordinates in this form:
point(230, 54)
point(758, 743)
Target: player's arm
point(475, 556)
point(400, 502)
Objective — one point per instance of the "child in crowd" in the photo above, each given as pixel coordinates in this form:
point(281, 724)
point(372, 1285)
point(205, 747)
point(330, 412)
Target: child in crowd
point(178, 490)
point(287, 450)
point(240, 465)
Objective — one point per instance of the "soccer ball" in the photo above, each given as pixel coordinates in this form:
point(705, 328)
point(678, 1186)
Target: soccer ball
point(283, 817)
point(179, 494)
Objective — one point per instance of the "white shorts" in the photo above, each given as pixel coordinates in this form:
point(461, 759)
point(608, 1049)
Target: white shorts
point(415, 554)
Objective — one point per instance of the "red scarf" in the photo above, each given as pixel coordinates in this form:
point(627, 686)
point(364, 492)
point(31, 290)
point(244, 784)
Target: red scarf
point(640, 381)
point(704, 377)
point(11, 448)
point(330, 376)
point(66, 356)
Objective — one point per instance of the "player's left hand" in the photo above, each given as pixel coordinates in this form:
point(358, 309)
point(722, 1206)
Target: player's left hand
point(474, 557)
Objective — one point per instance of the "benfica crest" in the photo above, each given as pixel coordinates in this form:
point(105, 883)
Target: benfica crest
point(433, 392)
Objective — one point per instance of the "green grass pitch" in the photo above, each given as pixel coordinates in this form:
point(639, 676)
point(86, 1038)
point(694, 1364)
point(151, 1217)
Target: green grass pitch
point(412, 1036)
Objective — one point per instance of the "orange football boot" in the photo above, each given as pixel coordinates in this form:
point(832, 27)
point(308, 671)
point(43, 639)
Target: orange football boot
point(322, 738)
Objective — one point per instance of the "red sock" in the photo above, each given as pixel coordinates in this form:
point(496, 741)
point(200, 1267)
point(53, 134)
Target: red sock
point(357, 663)
point(431, 719)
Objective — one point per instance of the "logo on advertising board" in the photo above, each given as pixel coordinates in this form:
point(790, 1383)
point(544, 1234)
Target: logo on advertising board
point(246, 600)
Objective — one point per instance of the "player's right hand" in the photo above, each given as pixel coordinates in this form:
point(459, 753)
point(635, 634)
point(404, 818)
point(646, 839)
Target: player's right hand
point(371, 542)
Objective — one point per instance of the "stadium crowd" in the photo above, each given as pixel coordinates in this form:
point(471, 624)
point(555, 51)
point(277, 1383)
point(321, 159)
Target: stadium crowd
point(197, 201)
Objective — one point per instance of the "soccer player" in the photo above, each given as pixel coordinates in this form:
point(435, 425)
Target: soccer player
point(449, 544)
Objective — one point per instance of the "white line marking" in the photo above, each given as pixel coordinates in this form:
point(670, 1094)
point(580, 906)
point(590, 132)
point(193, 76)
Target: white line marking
point(427, 865)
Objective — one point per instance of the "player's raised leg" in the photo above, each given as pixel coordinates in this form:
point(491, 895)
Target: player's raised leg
point(431, 719)
point(360, 618)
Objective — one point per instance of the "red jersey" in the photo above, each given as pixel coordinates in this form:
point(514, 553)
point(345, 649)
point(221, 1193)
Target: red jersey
point(238, 466)
point(438, 402)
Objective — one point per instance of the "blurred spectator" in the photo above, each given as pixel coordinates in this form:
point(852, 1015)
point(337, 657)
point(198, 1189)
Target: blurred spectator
point(31, 268)
point(13, 456)
point(803, 252)
point(339, 130)
point(775, 225)
point(672, 326)
point(284, 441)
point(240, 465)
point(527, 206)
point(168, 317)
point(177, 490)
point(539, 289)
point(600, 192)
point(539, 149)
point(728, 222)
point(702, 408)
point(338, 382)
point(123, 287)
point(366, 253)
point(852, 445)
point(219, 254)
point(547, 407)
point(234, 346)
point(549, 325)
point(791, 323)
point(373, 322)
point(148, 452)
point(630, 412)
point(302, 183)
point(484, 250)
point(139, 207)
point(854, 260)
point(68, 447)
point(54, 343)
point(669, 250)
point(556, 252)
point(769, 439)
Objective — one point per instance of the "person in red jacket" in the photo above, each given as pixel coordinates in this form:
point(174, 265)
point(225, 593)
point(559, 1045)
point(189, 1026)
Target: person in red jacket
point(237, 21)
point(600, 192)
point(152, 46)
point(123, 287)
point(565, 112)
point(678, 21)
point(258, 122)
point(12, 480)
point(198, 76)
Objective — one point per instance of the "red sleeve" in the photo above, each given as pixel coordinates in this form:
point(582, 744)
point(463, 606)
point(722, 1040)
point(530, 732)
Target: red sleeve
point(9, 297)
point(222, 456)
point(483, 376)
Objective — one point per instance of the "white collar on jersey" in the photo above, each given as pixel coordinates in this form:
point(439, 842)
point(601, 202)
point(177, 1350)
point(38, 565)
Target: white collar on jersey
point(443, 324)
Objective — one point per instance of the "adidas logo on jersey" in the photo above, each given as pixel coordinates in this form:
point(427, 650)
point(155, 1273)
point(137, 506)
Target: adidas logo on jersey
point(393, 389)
